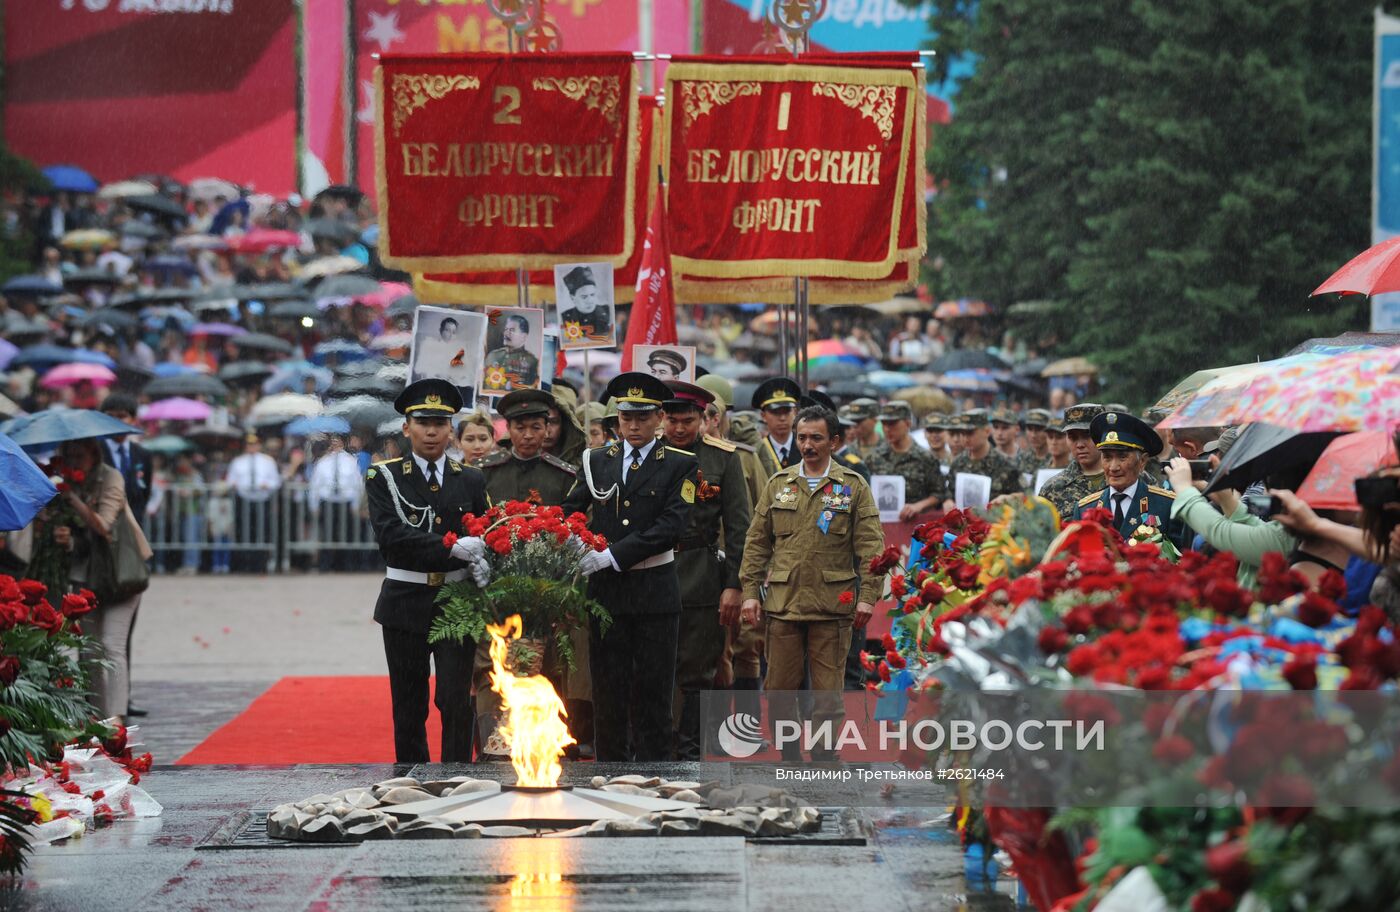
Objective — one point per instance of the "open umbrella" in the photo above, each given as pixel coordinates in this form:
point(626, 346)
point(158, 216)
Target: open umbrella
point(261, 240)
point(121, 189)
point(198, 242)
point(292, 375)
point(295, 310)
point(827, 371)
point(167, 445)
point(211, 188)
point(962, 308)
point(363, 411)
point(1371, 272)
point(245, 372)
point(387, 293)
point(1263, 450)
point(346, 286)
point(86, 239)
point(364, 368)
point(341, 349)
point(852, 389)
point(70, 178)
point(317, 424)
point(110, 317)
point(330, 265)
point(1197, 398)
point(924, 399)
point(213, 435)
point(77, 372)
point(266, 291)
point(186, 385)
point(968, 381)
point(966, 359)
point(217, 329)
point(156, 204)
point(403, 307)
point(1069, 367)
point(212, 305)
point(149, 296)
point(1329, 345)
point(54, 426)
point(1347, 458)
point(40, 357)
point(33, 286)
point(372, 385)
point(91, 276)
point(174, 369)
point(170, 265)
point(262, 342)
point(391, 341)
point(142, 231)
point(177, 408)
point(1357, 391)
point(285, 407)
point(26, 489)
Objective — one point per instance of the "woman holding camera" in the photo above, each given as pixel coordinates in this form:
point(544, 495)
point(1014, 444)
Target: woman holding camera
point(1231, 527)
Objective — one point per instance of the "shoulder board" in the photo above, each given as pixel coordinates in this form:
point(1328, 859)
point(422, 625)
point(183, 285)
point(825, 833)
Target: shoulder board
point(494, 458)
point(719, 443)
point(1171, 495)
point(454, 466)
point(1086, 501)
point(745, 447)
point(679, 450)
point(612, 450)
point(551, 459)
point(851, 458)
point(389, 461)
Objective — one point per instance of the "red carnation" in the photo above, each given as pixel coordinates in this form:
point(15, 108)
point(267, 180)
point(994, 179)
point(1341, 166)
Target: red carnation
point(897, 587)
point(1173, 750)
point(1080, 619)
point(1301, 672)
point(449, 539)
point(1316, 610)
point(1226, 597)
point(1332, 586)
point(9, 670)
point(1213, 901)
point(1052, 640)
point(884, 672)
point(846, 597)
point(867, 661)
point(894, 659)
point(1083, 660)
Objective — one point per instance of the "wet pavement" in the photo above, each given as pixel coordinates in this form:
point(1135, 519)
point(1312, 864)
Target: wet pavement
point(178, 861)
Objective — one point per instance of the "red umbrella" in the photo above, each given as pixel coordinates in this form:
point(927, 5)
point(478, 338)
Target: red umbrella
point(1329, 484)
point(1370, 272)
point(260, 240)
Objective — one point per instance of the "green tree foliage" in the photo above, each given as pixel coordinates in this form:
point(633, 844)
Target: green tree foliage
point(1173, 178)
point(17, 174)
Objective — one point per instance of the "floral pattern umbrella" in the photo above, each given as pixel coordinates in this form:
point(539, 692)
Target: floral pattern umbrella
point(1357, 391)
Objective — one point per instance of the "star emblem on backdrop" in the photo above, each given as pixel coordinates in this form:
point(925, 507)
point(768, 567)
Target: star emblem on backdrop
point(384, 29)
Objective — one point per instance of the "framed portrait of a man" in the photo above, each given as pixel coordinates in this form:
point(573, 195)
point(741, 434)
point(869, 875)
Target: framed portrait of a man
point(889, 496)
point(448, 343)
point(514, 348)
point(584, 296)
point(668, 362)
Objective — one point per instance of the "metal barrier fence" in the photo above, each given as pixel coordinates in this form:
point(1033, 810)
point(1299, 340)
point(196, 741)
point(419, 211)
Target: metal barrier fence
point(208, 528)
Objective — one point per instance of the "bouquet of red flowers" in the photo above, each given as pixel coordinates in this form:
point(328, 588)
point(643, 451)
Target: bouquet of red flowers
point(532, 555)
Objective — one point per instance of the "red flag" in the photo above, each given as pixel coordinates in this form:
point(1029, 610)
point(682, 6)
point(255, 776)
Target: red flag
point(653, 320)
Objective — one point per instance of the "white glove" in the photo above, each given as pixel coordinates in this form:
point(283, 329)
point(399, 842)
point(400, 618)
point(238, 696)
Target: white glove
point(481, 572)
point(469, 549)
point(577, 544)
point(594, 561)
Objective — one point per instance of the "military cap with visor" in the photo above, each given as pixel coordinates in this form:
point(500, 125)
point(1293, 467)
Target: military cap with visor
point(1003, 415)
point(527, 403)
point(1079, 416)
point(973, 418)
point(431, 397)
point(777, 393)
point(685, 396)
point(667, 358)
point(1124, 431)
point(637, 392)
point(1036, 418)
point(819, 399)
point(939, 421)
point(897, 410)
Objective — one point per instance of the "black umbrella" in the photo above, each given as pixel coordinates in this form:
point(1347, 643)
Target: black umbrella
point(217, 434)
point(346, 286)
point(1262, 450)
point(852, 389)
point(364, 411)
point(249, 372)
point(157, 204)
point(262, 342)
point(834, 370)
point(154, 296)
point(133, 376)
point(30, 286)
point(16, 325)
point(109, 316)
point(367, 367)
point(295, 310)
point(379, 387)
point(141, 230)
point(332, 229)
point(966, 359)
point(1031, 385)
point(186, 385)
point(91, 276)
point(403, 307)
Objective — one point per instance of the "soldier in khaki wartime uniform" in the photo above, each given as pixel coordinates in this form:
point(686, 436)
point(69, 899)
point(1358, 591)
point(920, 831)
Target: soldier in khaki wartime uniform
point(924, 485)
point(981, 458)
point(816, 522)
point(1085, 473)
point(527, 471)
point(708, 565)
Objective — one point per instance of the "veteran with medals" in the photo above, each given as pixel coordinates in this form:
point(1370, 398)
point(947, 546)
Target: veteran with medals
point(638, 493)
point(707, 556)
point(814, 533)
point(1127, 442)
point(413, 502)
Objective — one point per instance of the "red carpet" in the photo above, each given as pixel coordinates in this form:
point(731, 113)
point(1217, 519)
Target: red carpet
point(313, 720)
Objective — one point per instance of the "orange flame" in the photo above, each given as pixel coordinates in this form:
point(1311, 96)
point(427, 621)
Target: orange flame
point(534, 714)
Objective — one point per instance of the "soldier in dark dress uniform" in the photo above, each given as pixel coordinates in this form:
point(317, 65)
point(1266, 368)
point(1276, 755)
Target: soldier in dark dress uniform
point(526, 471)
point(776, 401)
point(413, 501)
point(639, 493)
point(709, 576)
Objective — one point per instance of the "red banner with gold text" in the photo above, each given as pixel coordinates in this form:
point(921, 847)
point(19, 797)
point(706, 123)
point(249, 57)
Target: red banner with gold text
point(786, 169)
point(494, 161)
point(498, 287)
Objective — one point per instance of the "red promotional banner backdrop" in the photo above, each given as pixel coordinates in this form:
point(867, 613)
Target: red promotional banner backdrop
point(194, 90)
point(491, 161)
point(787, 169)
point(499, 287)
